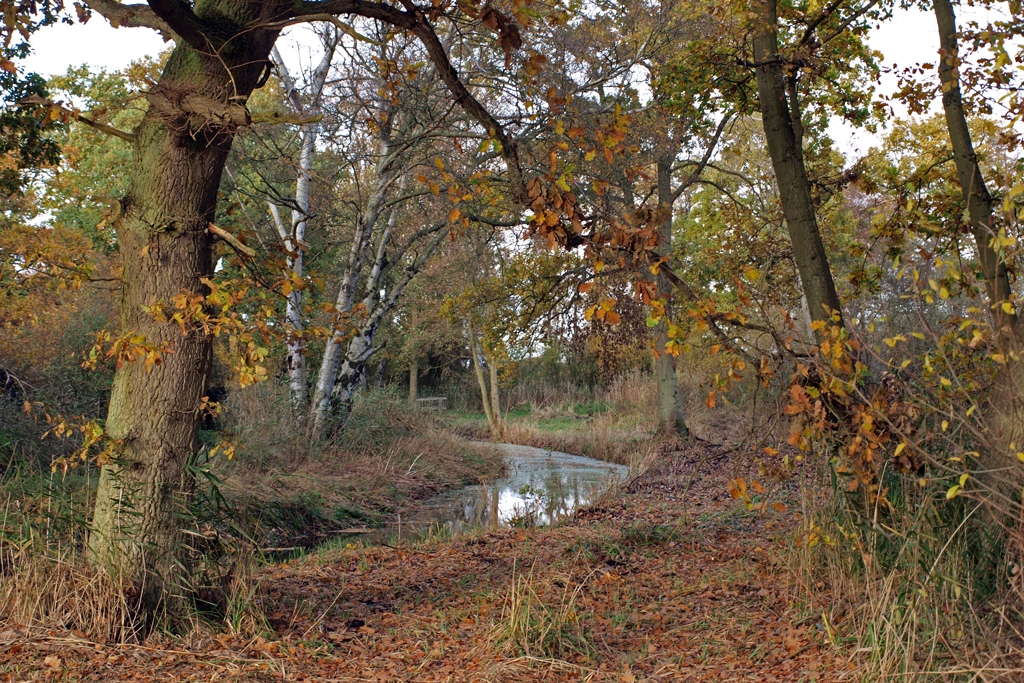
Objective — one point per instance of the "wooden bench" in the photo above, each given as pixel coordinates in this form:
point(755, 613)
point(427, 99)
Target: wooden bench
point(432, 403)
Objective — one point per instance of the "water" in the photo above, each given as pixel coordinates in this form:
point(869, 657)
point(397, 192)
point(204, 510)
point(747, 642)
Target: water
point(540, 487)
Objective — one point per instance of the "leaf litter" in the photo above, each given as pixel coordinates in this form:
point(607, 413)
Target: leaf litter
point(642, 586)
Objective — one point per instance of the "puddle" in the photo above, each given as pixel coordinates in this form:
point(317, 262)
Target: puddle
point(540, 487)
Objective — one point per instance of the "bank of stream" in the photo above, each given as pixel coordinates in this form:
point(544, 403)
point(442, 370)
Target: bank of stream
point(540, 487)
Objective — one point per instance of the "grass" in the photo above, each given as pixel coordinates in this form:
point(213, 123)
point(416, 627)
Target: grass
point(532, 627)
point(615, 425)
point(281, 494)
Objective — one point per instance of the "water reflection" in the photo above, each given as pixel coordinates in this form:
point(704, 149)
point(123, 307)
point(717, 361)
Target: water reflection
point(541, 487)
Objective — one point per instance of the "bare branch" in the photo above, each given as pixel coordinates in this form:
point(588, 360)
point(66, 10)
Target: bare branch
point(37, 101)
point(131, 16)
point(702, 164)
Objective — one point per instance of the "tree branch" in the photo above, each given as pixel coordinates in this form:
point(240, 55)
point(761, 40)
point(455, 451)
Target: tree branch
point(702, 164)
point(37, 101)
point(184, 22)
point(131, 16)
point(413, 20)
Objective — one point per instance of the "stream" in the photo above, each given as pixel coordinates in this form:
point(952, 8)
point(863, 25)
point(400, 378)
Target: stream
point(540, 487)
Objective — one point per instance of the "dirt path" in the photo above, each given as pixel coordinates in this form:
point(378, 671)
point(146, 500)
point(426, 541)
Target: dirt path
point(628, 591)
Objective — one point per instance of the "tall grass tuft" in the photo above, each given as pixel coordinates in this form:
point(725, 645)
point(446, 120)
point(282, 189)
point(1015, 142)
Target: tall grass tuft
point(531, 627)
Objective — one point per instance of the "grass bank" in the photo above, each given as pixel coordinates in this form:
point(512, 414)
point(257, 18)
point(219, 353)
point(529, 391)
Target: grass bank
point(615, 425)
point(281, 493)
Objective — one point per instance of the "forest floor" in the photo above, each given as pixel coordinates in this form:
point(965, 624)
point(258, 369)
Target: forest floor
point(643, 586)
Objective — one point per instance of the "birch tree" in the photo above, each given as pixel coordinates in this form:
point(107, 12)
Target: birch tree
point(293, 233)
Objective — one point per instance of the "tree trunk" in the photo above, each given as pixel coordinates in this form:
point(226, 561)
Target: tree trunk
point(670, 406)
point(499, 421)
point(154, 412)
point(294, 236)
point(485, 396)
point(330, 364)
point(1004, 412)
point(414, 375)
point(976, 195)
point(781, 126)
point(360, 347)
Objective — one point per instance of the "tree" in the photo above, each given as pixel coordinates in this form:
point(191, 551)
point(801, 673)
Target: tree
point(976, 196)
point(293, 235)
point(403, 215)
point(197, 106)
point(783, 129)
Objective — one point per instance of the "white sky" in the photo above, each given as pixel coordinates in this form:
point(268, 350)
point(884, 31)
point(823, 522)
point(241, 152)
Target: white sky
point(910, 37)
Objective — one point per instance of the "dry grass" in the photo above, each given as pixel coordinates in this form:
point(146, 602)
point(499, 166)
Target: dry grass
point(599, 439)
point(61, 591)
point(620, 431)
point(283, 491)
point(379, 468)
point(915, 599)
point(58, 589)
point(531, 627)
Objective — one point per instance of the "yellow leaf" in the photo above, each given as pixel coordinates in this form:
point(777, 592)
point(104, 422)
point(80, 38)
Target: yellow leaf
point(952, 492)
point(900, 449)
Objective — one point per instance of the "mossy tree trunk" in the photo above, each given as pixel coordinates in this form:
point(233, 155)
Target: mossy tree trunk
point(154, 414)
point(670, 407)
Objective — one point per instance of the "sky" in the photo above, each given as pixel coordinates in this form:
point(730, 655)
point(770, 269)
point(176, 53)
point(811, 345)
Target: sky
point(910, 37)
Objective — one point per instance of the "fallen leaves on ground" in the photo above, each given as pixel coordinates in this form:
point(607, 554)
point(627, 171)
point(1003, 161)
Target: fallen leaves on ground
point(640, 587)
